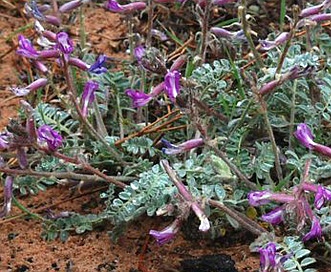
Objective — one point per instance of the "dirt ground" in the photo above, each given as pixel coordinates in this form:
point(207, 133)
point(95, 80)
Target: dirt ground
point(23, 249)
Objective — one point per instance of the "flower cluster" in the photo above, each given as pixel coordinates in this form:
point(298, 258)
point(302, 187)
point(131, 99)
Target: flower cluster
point(297, 202)
point(270, 259)
point(171, 83)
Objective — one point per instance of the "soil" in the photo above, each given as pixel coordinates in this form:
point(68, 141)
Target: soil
point(23, 248)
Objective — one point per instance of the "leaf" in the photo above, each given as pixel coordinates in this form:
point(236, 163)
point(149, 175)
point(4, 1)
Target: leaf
point(301, 253)
point(307, 261)
point(290, 265)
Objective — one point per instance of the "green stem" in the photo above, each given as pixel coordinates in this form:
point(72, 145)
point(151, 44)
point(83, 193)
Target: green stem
point(292, 116)
point(23, 209)
point(247, 32)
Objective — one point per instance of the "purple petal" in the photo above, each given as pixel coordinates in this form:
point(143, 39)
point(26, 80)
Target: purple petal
point(88, 95)
point(113, 6)
point(8, 195)
point(25, 48)
point(49, 136)
point(274, 217)
point(304, 135)
point(64, 43)
point(98, 66)
point(166, 234)
point(259, 198)
point(139, 99)
point(315, 231)
point(172, 85)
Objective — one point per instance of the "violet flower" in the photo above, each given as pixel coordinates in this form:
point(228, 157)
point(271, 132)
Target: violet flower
point(139, 99)
point(70, 6)
point(270, 260)
point(8, 195)
point(5, 140)
point(98, 66)
point(50, 137)
point(315, 231)
point(274, 217)
point(232, 35)
point(35, 85)
point(22, 157)
point(311, 10)
point(259, 198)
point(88, 95)
point(25, 48)
point(172, 85)
point(36, 12)
point(167, 234)
point(113, 6)
point(306, 138)
point(280, 39)
point(172, 149)
point(139, 52)
point(321, 196)
point(64, 43)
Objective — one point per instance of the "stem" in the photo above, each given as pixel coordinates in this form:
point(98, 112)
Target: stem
point(150, 23)
point(101, 128)
point(25, 210)
point(247, 32)
point(243, 220)
point(62, 175)
point(204, 31)
point(82, 32)
point(292, 116)
point(288, 43)
point(234, 168)
point(272, 139)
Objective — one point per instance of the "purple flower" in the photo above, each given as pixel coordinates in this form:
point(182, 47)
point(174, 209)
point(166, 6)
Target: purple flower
point(172, 85)
point(268, 45)
point(172, 149)
point(223, 33)
point(5, 139)
point(311, 10)
point(78, 63)
point(35, 85)
point(98, 66)
point(274, 217)
point(315, 231)
point(166, 234)
point(304, 135)
point(113, 6)
point(8, 195)
point(259, 198)
point(50, 137)
point(139, 52)
point(88, 95)
point(21, 157)
point(25, 48)
point(139, 99)
point(67, 7)
point(270, 260)
point(64, 43)
point(321, 196)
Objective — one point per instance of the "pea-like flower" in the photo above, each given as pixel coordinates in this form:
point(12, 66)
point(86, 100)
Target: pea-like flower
point(231, 35)
point(315, 231)
point(166, 234)
point(88, 95)
point(72, 5)
point(139, 98)
point(98, 66)
point(280, 39)
point(306, 138)
point(64, 43)
point(25, 48)
point(274, 217)
point(259, 198)
point(114, 6)
point(172, 84)
point(5, 139)
point(50, 137)
point(35, 85)
point(321, 196)
point(172, 149)
point(270, 259)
